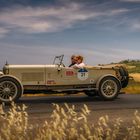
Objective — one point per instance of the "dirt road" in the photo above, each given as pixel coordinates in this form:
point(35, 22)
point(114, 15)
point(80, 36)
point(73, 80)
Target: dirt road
point(40, 108)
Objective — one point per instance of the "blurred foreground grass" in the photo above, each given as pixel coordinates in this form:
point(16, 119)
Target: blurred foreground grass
point(66, 124)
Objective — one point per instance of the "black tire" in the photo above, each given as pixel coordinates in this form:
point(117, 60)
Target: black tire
point(91, 93)
point(125, 76)
point(109, 88)
point(10, 89)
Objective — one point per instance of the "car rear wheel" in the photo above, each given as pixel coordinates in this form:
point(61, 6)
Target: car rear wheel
point(10, 89)
point(109, 88)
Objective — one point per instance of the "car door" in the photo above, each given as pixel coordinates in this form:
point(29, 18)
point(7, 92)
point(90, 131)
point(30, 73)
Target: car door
point(72, 76)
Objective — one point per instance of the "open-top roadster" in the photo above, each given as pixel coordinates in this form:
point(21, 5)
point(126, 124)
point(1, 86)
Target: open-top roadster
point(105, 81)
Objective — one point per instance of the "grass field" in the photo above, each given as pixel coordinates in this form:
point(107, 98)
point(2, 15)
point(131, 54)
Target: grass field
point(133, 67)
point(136, 76)
point(133, 87)
point(134, 84)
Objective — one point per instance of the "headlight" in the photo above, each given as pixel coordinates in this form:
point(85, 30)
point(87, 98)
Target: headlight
point(1, 73)
point(6, 69)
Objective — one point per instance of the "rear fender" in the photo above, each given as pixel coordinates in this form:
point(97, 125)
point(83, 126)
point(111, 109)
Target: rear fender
point(108, 75)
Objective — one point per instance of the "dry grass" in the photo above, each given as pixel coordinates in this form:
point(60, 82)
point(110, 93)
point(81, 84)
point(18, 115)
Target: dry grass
point(136, 76)
point(65, 124)
point(132, 88)
point(134, 84)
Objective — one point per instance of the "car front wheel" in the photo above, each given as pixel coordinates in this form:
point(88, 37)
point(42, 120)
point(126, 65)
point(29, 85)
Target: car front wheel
point(109, 88)
point(10, 89)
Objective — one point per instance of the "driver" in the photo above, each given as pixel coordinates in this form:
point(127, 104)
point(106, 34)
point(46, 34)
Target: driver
point(73, 60)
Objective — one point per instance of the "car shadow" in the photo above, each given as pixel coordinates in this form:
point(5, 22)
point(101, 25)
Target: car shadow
point(58, 99)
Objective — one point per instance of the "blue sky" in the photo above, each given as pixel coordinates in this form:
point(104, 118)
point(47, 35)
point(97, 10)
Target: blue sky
point(103, 31)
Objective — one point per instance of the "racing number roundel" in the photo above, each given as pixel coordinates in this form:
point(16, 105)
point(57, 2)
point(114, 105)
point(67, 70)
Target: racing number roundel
point(82, 74)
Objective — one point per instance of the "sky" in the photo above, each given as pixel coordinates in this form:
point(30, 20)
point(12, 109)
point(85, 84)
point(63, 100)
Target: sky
point(35, 31)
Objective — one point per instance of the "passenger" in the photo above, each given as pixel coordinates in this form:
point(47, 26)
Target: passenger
point(73, 60)
point(79, 62)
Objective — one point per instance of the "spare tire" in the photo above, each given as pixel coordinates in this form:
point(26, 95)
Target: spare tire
point(125, 76)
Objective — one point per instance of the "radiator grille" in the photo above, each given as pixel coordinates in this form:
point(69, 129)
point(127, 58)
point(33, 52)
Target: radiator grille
point(39, 76)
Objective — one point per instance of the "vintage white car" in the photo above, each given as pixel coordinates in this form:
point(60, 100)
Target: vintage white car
point(103, 81)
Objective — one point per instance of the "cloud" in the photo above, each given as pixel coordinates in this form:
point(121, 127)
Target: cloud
point(3, 32)
point(135, 26)
point(51, 19)
point(118, 11)
point(135, 1)
point(43, 19)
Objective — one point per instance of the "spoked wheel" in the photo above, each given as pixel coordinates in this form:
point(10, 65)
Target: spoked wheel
point(10, 89)
point(109, 88)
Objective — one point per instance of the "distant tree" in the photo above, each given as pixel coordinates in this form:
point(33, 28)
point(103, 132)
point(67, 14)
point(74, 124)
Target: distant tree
point(125, 61)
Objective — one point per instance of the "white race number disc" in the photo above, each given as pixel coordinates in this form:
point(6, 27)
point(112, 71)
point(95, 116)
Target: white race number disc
point(82, 74)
